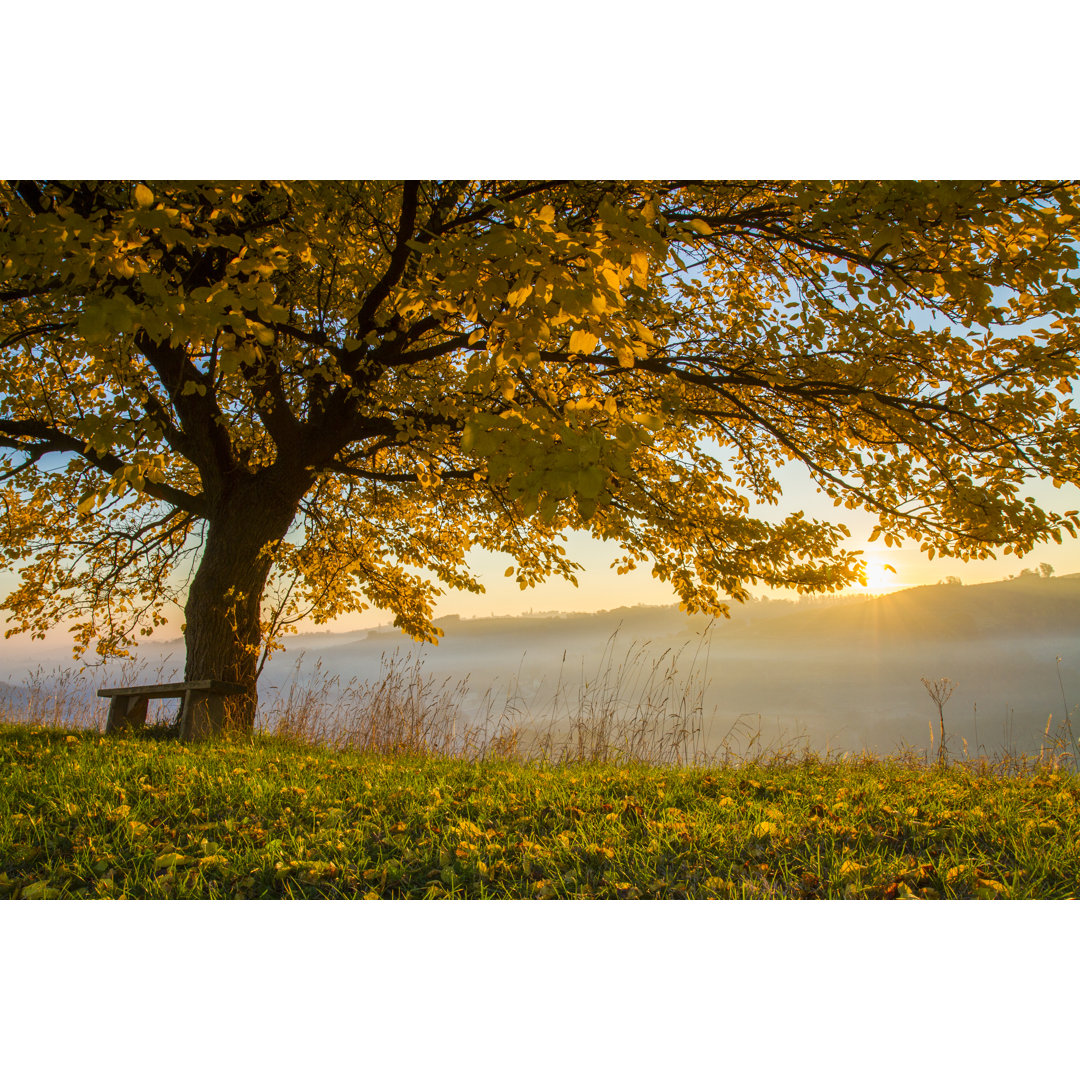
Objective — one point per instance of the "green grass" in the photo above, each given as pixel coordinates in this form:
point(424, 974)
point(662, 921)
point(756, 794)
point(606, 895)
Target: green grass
point(85, 816)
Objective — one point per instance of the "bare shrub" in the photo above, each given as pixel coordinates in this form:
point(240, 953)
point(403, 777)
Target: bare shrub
point(940, 690)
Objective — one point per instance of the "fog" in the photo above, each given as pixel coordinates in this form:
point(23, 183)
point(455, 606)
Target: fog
point(841, 674)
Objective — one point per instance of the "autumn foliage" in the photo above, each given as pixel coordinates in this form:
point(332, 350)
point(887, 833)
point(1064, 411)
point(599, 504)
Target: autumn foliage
point(269, 401)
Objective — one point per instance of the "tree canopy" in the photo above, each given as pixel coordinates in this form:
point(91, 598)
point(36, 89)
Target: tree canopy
point(267, 401)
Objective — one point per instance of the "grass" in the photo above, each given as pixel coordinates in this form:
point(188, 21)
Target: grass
point(387, 789)
point(84, 816)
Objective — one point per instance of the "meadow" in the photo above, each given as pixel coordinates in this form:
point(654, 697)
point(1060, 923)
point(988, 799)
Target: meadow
point(403, 785)
point(82, 816)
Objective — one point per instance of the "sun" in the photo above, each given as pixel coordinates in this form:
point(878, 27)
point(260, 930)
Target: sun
point(880, 576)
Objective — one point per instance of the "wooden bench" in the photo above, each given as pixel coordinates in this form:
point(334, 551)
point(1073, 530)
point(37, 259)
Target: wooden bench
point(202, 709)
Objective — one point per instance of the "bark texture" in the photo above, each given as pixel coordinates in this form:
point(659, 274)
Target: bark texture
point(222, 635)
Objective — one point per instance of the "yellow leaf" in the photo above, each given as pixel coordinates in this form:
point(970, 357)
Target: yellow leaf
point(581, 341)
point(170, 858)
point(144, 197)
point(547, 215)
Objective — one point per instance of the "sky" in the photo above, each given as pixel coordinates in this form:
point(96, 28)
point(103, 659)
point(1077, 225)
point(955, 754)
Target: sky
point(865, 132)
point(599, 587)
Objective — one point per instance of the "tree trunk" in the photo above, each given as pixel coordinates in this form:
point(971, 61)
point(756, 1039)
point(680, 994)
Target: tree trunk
point(222, 635)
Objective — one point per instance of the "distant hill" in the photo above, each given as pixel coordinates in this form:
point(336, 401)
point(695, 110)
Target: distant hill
point(1024, 606)
point(1019, 607)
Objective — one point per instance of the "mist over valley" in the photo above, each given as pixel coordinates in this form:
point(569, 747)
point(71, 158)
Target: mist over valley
point(839, 673)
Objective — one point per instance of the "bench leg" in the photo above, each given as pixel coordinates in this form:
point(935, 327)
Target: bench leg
point(126, 713)
point(202, 715)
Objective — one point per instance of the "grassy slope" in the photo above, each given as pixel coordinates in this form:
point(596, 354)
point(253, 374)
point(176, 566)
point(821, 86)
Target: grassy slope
point(1023, 607)
point(81, 816)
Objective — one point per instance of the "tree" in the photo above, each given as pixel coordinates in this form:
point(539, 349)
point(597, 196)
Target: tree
point(268, 401)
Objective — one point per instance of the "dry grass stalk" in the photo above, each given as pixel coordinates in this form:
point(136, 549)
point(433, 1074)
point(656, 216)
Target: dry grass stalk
point(635, 707)
point(940, 690)
point(67, 698)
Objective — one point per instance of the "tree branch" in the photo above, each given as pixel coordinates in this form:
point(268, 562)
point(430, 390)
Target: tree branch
point(13, 434)
point(410, 199)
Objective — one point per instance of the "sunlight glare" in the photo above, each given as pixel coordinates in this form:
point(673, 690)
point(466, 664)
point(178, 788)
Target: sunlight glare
point(880, 577)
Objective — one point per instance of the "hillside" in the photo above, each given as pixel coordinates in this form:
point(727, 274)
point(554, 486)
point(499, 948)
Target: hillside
point(1027, 606)
point(1023, 606)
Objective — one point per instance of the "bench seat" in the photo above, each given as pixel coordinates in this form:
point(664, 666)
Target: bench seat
point(202, 709)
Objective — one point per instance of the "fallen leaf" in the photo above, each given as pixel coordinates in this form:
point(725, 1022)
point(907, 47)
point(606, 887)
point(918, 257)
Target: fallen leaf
point(170, 858)
point(40, 890)
point(990, 890)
